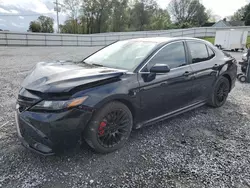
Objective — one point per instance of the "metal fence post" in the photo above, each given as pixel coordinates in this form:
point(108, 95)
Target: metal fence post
point(6, 39)
point(206, 32)
point(27, 39)
point(45, 39)
point(77, 40)
point(91, 43)
point(61, 40)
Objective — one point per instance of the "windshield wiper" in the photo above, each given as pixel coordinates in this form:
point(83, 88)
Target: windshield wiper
point(80, 62)
point(98, 65)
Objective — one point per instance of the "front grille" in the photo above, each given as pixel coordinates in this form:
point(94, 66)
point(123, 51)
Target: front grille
point(25, 103)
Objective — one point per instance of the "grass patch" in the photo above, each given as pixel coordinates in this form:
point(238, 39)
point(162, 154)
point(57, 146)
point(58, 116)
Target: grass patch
point(209, 39)
point(212, 39)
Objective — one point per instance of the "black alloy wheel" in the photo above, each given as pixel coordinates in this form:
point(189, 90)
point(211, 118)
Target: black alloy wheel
point(113, 128)
point(222, 92)
point(109, 128)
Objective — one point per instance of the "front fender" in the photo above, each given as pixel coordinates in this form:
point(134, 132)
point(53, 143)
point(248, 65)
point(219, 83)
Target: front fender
point(122, 90)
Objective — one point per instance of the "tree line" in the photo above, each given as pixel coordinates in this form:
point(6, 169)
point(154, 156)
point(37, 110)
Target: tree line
point(243, 14)
point(98, 16)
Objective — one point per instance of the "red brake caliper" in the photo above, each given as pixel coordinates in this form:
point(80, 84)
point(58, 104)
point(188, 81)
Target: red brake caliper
point(101, 128)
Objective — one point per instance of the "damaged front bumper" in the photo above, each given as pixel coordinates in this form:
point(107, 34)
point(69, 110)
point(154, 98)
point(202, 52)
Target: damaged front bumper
point(49, 133)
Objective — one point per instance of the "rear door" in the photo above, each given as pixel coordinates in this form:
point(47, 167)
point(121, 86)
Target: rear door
point(204, 67)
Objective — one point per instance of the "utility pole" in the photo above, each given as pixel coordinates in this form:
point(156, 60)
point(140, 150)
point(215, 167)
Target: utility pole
point(57, 16)
point(57, 9)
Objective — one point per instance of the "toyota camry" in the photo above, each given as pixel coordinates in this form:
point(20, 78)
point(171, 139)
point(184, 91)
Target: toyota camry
point(126, 85)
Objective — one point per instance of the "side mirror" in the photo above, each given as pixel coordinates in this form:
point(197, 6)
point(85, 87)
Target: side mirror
point(160, 68)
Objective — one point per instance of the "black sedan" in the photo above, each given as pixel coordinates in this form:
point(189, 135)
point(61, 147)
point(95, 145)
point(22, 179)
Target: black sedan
point(126, 85)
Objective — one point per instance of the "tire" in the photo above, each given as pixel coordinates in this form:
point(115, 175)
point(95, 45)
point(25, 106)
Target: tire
point(219, 93)
point(109, 128)
point(240, 74)
point(242, 78)
point(236, 49)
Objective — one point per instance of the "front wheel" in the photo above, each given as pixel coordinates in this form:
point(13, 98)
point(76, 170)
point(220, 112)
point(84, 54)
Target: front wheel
point(220, 93)
point(109, 128)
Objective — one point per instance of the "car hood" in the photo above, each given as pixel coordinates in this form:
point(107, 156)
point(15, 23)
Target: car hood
point(63, 76)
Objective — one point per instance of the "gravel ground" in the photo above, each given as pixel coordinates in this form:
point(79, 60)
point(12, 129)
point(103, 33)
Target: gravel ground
point(201, 148)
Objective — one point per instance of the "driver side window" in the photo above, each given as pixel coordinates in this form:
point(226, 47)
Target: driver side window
point(173, 55)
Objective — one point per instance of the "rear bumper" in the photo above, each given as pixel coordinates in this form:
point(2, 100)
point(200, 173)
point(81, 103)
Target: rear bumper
point(49, 133)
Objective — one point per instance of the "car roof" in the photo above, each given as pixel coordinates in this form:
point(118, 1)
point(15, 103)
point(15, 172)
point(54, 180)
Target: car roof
point(163, 39)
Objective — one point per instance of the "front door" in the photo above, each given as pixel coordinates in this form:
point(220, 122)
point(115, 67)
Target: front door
point(163, 93)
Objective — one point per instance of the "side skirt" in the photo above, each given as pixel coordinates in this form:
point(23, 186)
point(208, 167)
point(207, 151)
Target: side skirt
point(169, 115)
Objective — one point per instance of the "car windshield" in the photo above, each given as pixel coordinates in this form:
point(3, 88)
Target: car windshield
point(122, 55)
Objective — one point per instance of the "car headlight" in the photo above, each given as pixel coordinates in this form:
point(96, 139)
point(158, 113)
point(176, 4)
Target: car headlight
point(59, 105)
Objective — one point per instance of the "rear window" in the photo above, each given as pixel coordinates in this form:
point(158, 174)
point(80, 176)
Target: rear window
point(211, 53)
point(198, 51)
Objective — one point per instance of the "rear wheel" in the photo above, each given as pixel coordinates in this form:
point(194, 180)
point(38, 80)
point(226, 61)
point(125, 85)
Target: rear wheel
point(220, 93)
point(109, 128)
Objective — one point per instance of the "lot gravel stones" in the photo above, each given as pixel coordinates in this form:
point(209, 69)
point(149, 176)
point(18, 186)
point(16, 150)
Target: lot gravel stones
point(202, 148)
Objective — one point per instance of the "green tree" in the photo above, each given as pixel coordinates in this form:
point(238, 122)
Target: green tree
point(239, 14)
point(119, 16)
point(47, 24)
point(200, 16)
point(35, 26)
point(97, 14)
point(142, 12)
point(247, 20)
point(72, 8)
point(68, 27)
point(160, 20)
point(188, 12)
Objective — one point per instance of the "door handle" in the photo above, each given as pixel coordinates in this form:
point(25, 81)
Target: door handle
point(187, 73)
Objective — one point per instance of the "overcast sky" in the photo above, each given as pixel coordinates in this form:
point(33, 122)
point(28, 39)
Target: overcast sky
point(222, 8)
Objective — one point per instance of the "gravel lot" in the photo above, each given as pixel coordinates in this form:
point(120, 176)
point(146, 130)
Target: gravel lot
point(202, 148)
